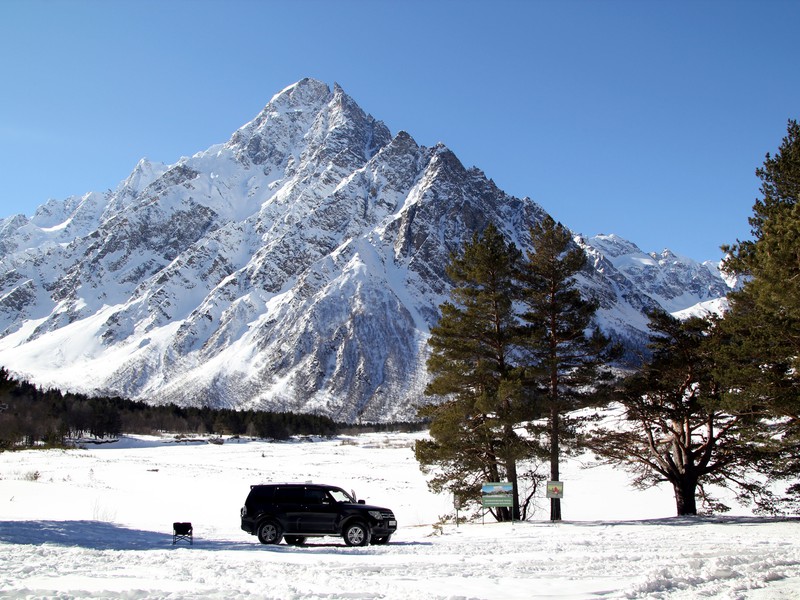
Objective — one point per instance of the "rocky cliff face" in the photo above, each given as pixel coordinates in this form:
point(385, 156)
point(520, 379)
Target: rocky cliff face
point(299, 266)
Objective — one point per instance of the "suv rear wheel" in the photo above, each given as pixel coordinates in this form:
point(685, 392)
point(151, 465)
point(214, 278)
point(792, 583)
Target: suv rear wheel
point(269, 532)
point(356, 534)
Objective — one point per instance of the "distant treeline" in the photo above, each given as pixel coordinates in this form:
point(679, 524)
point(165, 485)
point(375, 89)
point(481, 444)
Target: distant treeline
point(32, 416)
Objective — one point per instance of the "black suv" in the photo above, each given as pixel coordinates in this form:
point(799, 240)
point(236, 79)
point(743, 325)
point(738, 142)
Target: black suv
point(296, 511)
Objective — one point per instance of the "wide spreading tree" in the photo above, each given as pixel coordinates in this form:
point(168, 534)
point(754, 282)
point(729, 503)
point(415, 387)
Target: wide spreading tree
point(674, 425)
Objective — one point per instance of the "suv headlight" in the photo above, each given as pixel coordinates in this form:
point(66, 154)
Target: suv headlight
point(375, 514)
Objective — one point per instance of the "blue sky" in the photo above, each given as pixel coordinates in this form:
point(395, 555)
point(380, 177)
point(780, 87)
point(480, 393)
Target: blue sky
point(642, 118)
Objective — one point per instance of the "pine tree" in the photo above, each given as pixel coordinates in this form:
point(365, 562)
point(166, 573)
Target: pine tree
point(676, 426)
point(473, 428)
point(772, 258)
point(760, 363)
point(770, 300)
point(563, 362)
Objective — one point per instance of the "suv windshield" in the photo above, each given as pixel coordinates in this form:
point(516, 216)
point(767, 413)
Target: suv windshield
point(340, 495)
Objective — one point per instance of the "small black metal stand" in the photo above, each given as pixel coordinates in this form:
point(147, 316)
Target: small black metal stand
point(182, 531)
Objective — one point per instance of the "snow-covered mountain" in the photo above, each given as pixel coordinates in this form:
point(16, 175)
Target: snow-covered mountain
point(298, 266)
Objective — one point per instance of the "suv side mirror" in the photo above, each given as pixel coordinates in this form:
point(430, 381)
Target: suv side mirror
point(362, 501)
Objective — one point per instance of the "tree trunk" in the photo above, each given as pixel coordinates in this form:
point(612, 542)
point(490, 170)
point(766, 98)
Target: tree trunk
point(685, 500)
point(555, 503)
point(501, 513)
point(555, 509)
point(511, 470)
point(512, 477)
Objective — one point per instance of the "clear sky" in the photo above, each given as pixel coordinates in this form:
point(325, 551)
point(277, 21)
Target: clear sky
point(642, 118)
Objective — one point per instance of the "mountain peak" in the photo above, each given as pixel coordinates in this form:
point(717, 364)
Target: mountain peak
point(307, 114)
point(304, 93)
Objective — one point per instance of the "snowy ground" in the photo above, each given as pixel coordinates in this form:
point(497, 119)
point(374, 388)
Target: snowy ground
point(97, 523)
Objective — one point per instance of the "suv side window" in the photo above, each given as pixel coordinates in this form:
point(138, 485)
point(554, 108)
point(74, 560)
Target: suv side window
point(289, 495)
point(316, 496)
point(261, 494)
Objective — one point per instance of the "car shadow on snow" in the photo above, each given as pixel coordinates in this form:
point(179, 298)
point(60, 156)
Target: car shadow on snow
point(98, 535)
point(332, 546)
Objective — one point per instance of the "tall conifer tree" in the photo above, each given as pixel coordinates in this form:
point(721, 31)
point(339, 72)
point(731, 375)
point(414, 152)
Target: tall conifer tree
point(760, 363)
point(563, 360)
point(472, 430)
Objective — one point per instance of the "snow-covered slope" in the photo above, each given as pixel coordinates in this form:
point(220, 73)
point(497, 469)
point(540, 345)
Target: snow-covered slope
point(675, 282)
point(640, 281)
point(298, 266)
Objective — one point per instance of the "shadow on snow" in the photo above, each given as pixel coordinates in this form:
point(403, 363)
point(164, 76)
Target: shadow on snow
point(688, 521)
point(98, 535)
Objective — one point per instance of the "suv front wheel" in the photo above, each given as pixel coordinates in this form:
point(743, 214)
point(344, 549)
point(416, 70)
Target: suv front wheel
point(269, 532)
point(356, 534)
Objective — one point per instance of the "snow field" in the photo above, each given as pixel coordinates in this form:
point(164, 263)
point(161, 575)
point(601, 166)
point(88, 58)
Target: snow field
point(96, 523)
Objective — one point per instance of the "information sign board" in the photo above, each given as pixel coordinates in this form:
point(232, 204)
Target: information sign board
point(499, 493)
point(555, 489)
